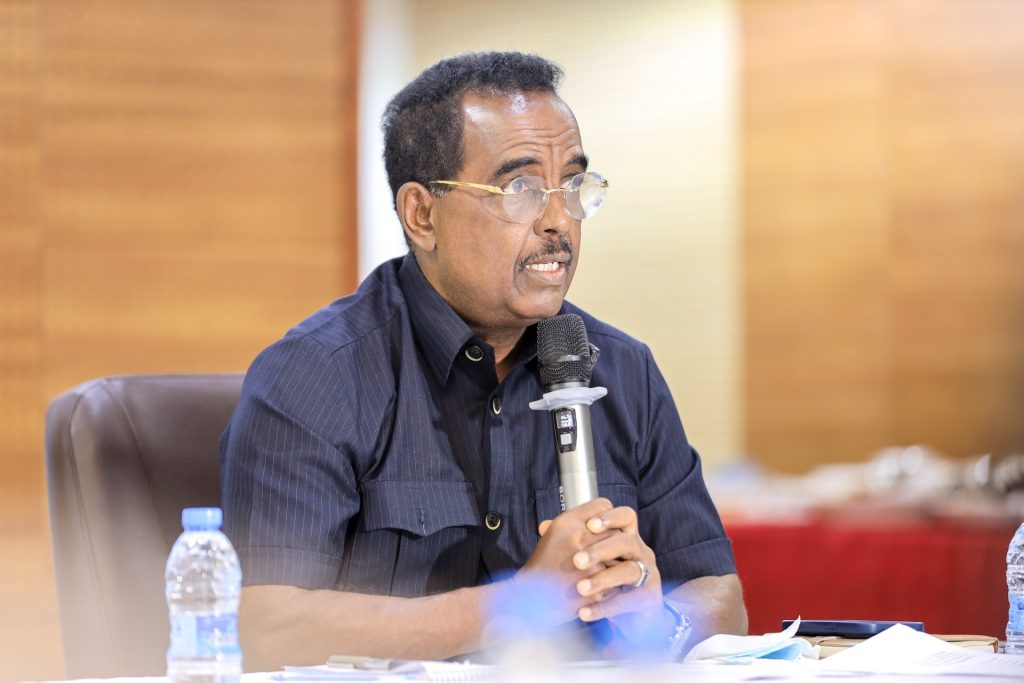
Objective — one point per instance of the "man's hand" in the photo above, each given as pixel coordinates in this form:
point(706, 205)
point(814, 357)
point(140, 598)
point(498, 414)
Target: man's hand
point(598, 547)
point(615, 562)
point(552, 560)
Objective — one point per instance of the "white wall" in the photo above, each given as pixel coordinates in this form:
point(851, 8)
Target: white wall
point(654, 87)
point(385, 65)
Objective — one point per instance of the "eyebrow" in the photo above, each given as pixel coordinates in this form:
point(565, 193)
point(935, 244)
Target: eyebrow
point(581, 160)
point(515, 164)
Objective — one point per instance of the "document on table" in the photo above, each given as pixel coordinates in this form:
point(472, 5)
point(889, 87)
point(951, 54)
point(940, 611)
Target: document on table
point(902, 650)
point(737, 649)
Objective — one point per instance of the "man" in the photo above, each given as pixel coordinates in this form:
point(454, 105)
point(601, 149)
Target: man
point(383, 469)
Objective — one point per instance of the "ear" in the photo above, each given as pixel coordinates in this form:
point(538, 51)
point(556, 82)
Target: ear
point(414, 202)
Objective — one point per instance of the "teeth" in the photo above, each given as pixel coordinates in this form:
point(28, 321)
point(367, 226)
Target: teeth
point(544, 267)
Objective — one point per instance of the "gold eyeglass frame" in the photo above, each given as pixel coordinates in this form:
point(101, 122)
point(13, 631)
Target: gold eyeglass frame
point(493, 189)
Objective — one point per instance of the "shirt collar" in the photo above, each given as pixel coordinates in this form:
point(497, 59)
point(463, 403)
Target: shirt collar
point(440, 331)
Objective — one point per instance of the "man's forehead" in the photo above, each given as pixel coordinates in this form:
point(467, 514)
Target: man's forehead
point(478, 107)
point(482, 109)
point(517, 125)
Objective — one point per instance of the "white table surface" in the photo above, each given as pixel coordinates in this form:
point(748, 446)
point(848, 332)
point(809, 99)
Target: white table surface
point(759, 670)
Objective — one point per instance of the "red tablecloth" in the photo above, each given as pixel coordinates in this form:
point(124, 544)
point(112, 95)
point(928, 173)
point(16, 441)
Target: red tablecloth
point(951, 576)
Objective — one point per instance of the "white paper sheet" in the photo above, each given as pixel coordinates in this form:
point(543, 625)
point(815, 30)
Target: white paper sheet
point(727, 648)
point(902, 650)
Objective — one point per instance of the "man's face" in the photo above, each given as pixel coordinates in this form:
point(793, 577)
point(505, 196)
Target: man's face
point(502, 276)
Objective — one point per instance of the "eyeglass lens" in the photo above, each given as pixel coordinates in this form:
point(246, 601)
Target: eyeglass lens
point(526, 197)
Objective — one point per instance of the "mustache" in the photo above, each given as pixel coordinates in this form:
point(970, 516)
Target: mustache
point(554, 247)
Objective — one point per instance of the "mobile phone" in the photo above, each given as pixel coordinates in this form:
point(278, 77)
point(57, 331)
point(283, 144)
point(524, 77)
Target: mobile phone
point(847, 628)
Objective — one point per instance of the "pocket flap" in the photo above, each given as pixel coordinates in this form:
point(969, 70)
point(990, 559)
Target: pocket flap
point(419, 507)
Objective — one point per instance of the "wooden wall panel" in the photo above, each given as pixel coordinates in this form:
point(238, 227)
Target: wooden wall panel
point(883, 192)
point(177, 188)
point(29, 641)
point(20, 236)
point(814, 226)
point(957, 108)
point(203, 165)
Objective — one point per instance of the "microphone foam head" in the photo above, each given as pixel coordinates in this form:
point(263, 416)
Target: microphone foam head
point(563, 351)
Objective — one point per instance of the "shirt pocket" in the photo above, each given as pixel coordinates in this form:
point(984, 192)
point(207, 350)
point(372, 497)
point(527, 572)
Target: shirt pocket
point(425, 532)
point(549, 503)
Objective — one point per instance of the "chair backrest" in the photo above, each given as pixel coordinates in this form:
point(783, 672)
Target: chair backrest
point(124, 455)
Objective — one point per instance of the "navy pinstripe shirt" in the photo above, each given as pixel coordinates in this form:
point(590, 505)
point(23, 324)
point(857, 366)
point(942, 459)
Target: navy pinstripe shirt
point(374, 451)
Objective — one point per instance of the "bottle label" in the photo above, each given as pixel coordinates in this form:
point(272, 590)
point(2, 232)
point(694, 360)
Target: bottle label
point(204, 635)
point(1016, 622)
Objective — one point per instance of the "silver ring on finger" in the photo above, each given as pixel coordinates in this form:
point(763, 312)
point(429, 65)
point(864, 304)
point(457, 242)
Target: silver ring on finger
point(644, 574)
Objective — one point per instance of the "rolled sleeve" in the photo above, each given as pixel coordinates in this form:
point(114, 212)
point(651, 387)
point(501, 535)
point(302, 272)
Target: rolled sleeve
point(288, 566)
point(288, 488)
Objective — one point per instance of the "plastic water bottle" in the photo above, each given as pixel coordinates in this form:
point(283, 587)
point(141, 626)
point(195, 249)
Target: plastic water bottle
point(203, 586)
point(1015, 592)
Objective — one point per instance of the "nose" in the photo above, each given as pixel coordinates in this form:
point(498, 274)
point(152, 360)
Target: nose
point(555, 219)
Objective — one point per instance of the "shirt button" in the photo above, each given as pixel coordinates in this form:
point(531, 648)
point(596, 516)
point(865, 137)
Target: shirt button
point(496, 405)
point(492, 520)
point(474, 353)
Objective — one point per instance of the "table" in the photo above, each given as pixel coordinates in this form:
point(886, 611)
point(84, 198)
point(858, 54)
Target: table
point(765, 670)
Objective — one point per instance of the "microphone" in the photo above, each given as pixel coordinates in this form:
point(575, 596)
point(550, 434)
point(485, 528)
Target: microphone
point(566, 361)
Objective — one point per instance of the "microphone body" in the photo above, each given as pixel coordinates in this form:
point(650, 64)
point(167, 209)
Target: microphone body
point(574, 444)
point(566, 361)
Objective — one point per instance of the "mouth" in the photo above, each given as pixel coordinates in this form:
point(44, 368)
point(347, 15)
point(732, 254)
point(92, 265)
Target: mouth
point(549, 264)
point(551, 261)
point(548, 270)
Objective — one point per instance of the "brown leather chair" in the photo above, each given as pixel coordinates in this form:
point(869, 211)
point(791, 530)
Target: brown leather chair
point(124, 455)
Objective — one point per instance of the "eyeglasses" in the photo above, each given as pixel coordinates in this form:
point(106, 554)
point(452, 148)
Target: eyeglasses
point(524, 199)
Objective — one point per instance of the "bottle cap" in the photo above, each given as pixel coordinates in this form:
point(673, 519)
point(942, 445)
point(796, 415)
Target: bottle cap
point(201, 519)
